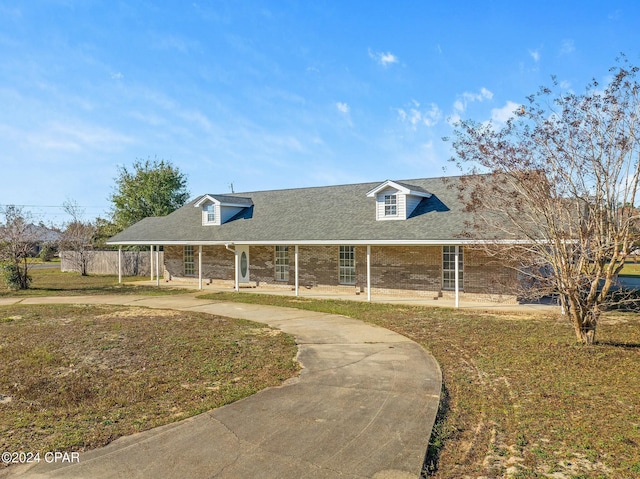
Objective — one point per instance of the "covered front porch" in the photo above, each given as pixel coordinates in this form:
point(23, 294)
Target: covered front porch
point(397, 271)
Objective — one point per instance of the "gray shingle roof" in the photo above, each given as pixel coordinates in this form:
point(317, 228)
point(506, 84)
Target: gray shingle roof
point(238, 200)
point(333, 214)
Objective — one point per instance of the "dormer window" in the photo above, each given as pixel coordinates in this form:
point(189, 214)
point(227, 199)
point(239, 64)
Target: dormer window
point(390, 205)
point(396, 201)
point(210, 213)
point(218, 209)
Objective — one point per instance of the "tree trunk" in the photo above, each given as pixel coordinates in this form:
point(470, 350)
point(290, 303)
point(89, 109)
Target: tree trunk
point(585, 327)
point(24, 275)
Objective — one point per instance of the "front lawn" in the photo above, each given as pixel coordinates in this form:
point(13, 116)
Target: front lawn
point(53, 282)
point(630, 269)
point(521, 398)
point(75, 377)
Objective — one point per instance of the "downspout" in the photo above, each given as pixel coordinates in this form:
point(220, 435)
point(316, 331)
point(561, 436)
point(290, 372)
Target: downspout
point(236, 263)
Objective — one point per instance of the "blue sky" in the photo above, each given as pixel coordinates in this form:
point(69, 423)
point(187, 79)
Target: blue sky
point(273, 94)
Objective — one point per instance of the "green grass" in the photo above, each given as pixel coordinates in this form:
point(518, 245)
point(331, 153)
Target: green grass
point(53, 282)
point(78, 376)
point(520, 394)
point(631, 269)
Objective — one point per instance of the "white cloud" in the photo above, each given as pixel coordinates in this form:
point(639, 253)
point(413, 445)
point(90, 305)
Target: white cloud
point(345, 110)
point(197, 118)
point(501, 115)
point(565, 84)
point(77, 137)
point(453, 119)
point(415, 116)
point(567, 47)
point(382, 58)
point(535, 54)
point(460, 105)
point(484, 94)
point(117, 76)
point(343, 107)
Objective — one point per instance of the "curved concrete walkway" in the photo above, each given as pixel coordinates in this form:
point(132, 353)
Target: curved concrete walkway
point(362, 407)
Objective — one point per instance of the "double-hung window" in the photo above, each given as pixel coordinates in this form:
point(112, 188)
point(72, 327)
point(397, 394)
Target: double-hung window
point(449, 265)
point(282, 263)
point(189, 261)
point(347, 265)
point(391, 205)
point(210, 213)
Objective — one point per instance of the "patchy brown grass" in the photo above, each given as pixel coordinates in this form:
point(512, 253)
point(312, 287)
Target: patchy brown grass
point(521, 398)
point(53, 282)
point(77, 377)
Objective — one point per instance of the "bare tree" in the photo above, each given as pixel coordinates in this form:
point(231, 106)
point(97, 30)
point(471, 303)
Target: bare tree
point(17, 240)
point(560, 201)
point(77, 238)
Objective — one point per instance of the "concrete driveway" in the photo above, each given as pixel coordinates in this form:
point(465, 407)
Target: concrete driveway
point(362, 407)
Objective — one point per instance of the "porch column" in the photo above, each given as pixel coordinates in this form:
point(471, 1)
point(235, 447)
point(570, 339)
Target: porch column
point(200, 266)
point(151, 263)
point(369, 273)
point(237, 268)
point(296, 271)
point(457, 276)
point(119, 264)
point(158, 265)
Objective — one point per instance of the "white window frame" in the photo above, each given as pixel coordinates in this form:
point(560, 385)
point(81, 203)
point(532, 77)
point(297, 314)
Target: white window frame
point(281, 263)
point(347, 265)
point(209, 214)
point(189, 260)
point(448, 268)
point(391, 205)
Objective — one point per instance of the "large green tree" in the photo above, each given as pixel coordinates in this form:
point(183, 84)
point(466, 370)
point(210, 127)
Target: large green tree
point(148, 188)
point(560, 202)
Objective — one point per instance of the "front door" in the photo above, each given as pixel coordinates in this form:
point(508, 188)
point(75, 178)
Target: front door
point(243, 263)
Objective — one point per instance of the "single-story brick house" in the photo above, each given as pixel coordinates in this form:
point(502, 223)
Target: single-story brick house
point(390, 237)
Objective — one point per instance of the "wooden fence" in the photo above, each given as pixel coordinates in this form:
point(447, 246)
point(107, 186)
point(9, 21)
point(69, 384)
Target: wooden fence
point(134, 263)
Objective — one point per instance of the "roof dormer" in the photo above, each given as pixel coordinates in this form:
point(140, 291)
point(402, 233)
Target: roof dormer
point(396, 201)
point(218, 209)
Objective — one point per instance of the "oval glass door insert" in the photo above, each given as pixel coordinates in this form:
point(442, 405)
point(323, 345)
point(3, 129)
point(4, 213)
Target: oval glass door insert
point(243, 264)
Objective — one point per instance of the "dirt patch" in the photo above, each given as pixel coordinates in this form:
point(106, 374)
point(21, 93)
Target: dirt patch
point(136, 312)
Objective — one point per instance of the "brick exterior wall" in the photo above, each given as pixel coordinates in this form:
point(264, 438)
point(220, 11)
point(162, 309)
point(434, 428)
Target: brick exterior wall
point(394, 269)
point(217, 263)
point(417, 268)
point(485, 275)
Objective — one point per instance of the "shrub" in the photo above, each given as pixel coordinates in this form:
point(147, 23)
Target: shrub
point(14, 277)
point(47, 253)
